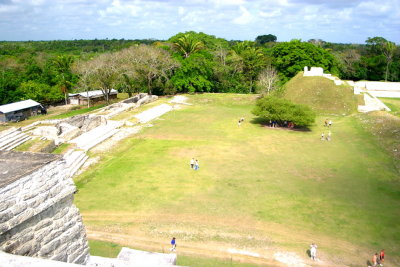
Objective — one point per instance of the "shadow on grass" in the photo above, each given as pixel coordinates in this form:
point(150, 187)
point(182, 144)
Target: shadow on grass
point(265, 123)
point(308, 253)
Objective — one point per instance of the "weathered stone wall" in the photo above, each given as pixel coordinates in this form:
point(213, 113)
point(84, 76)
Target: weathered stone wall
point(38, 218)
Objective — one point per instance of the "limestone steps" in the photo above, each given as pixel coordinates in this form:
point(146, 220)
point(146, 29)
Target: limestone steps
point(74, 160)
point(78, 164)
point(372, 104)
point(17, 143)
point(96, 135)
point(13, 138)
point(100, 139)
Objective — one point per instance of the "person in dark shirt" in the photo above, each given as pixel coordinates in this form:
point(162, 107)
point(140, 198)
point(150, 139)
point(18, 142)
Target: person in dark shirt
point(173, 244)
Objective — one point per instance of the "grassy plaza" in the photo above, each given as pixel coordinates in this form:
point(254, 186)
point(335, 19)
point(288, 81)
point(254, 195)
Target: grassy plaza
point(258, 188)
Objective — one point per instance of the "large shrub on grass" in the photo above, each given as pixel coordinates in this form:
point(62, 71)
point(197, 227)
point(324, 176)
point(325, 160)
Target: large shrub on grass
point(279, 109)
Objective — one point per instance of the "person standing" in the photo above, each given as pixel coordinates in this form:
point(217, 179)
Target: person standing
point(382, 256)
point(326, 123)
point(192, 163)
point(322, 136)
point(328, 137)
point(329, 123)
point(313, 251)
point(375, 259)
point(173, 244)
point(196, 165)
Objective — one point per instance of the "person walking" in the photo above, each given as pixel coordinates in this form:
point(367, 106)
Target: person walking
point(313, 251)
point(192, 163)
point(326, 123)
point(173, 244)
point(196, 165)
point(329, 123)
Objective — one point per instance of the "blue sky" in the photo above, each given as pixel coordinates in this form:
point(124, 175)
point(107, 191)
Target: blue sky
point(347, 21)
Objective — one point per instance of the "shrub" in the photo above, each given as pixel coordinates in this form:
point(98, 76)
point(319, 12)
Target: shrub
point(280, 110)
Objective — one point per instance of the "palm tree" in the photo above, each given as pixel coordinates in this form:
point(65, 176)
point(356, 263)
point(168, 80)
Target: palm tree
point(187, 45)
point(62, 65)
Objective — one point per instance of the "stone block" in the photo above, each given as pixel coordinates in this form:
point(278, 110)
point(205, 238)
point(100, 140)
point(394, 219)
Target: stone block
point(52, 235)
point(4, 227)
point(62, 256)
point(49, 248)
point(10, 245)
point(55, 190)
point(25, 249)
point(43, 224)
point(30, 195)
point(6, 204)
point(5, 216)
point(50, 132)
point(18, 208)
point(21, 217)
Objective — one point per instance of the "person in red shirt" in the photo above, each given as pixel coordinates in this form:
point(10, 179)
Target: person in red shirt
point(382, 255)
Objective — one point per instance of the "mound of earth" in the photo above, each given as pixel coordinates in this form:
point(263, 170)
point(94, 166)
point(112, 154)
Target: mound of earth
point(321, 94)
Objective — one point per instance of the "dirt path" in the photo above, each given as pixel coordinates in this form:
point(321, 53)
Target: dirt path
point(206, 250)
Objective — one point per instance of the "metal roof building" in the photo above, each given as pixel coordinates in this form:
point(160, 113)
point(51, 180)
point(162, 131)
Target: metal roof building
point(19, 110)
point(94, 96)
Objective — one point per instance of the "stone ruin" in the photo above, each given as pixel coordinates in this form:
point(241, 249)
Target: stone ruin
point(38, 218)
point(37, 214)
point(371, 90)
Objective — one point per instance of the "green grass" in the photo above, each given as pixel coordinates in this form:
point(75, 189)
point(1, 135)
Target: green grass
point(61, 148)
point(77, 112)
point(184, 260)
point(393, 104)
point(257, 188)
point(104, 249)
point(321, 94)
point(111, 250)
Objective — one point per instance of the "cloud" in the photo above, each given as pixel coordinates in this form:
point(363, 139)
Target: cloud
point(331, 20)
point(244, 18)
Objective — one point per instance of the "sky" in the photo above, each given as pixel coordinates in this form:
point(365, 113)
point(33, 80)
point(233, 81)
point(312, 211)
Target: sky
point(338, 21)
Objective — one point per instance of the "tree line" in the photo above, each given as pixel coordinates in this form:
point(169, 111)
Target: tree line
point(185, 63)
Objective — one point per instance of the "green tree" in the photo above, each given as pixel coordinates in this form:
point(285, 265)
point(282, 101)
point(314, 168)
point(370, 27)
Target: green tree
point(388, 50)
point(250, 60)
point(40, 92)
point(62, 65)
point(148, 66)
point(195, 74)
point(102, 73)
point(280, 110)
point(291, 57)
point(187, 45)
point(262, 39)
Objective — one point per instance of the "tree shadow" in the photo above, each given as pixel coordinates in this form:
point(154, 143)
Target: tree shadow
point(265, 123)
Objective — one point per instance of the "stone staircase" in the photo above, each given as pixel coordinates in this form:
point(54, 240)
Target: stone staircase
point(97, 135)
point(12, 138)
point(153, 113)
point(371, 103)
point(74, 159)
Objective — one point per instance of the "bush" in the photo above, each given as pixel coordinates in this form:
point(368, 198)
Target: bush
point(280, 110)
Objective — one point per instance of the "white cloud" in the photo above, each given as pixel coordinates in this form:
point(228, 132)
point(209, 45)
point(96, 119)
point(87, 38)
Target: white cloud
point(244, 18)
